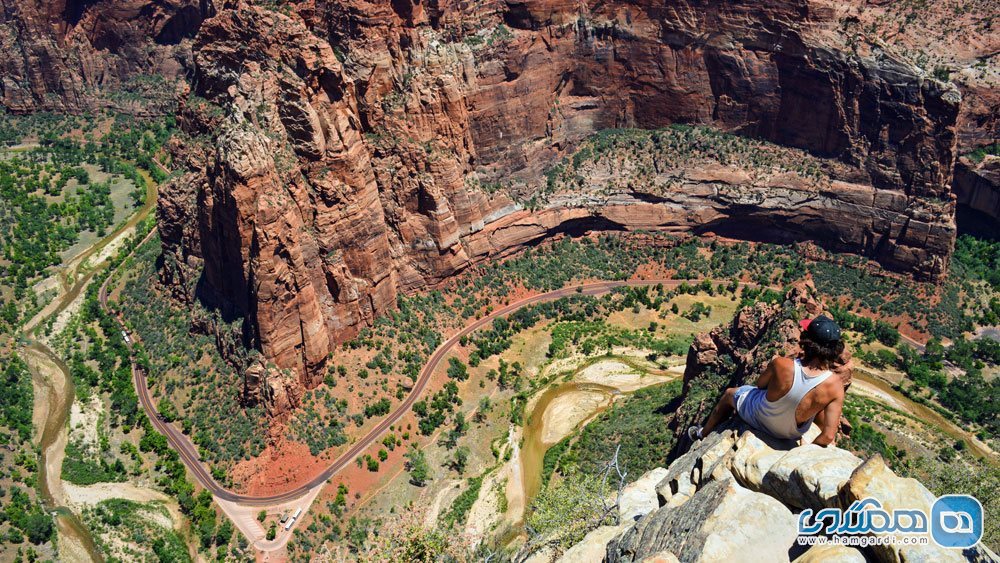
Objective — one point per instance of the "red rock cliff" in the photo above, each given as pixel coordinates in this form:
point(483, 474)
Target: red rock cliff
point(344, 152)
point(82, 55)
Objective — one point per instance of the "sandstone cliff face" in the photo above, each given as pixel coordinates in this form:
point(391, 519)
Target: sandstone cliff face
point(977, 185)
point(345, 152)
point(80, 55)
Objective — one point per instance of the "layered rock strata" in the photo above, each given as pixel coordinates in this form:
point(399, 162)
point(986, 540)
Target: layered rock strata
point(343, 153)
point(83, 55)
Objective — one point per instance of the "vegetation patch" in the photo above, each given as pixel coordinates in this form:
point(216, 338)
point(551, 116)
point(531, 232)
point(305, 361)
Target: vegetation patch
point(459, 510)
point(185, 367)
point(81, 469)
point(50, 195)
point(133, 531)
point(24, 522)
point(637, 424)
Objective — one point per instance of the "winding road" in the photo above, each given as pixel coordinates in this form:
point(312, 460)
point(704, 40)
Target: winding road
point(189, 454)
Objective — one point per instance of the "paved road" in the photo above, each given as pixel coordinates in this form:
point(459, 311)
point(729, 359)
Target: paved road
point(189, 454)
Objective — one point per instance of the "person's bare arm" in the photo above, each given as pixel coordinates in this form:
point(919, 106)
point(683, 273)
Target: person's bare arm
point(830, 421)
point(769, 371)
point(846, 374)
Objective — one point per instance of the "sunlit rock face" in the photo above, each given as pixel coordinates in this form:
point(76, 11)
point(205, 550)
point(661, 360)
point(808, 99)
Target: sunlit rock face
point(343, 153)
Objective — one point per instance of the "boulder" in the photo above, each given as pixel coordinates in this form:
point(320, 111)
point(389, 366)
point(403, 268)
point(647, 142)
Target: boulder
point(662, 557)
point(639, 497)
point(814, 431)
point(685, 474)
point(831, 553)
point(753, 459)
point(874, 479)
point(722, 521)
point(546, 554)
point(810, 476)
point(593, 546)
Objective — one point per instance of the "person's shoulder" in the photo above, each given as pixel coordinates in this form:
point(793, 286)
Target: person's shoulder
point(835, 385)
point(783, 362)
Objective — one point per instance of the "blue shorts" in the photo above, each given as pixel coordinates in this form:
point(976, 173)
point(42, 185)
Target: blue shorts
point(740, 396)
point(746, 408)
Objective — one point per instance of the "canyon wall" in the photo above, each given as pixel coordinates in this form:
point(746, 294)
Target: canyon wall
point(85, 55)
point(337, 154)
point(977, 186)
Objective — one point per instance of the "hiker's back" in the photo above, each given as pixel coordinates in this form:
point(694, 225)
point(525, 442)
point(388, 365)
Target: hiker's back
point(793, 397)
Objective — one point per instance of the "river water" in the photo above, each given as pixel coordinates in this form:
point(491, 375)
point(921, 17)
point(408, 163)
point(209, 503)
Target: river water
point(924, 413)
point(537, 440)
point(51, 375)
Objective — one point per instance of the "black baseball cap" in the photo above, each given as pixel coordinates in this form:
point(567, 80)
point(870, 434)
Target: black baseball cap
point(822, 329)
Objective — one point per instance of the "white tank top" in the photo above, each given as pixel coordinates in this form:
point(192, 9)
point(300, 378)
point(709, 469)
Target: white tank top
point(778, 417)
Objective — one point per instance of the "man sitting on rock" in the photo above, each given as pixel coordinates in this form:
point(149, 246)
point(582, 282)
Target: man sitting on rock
point(792, 392)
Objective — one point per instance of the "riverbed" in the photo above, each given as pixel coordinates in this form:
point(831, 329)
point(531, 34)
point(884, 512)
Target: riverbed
point(554, 412)
point(53, 385)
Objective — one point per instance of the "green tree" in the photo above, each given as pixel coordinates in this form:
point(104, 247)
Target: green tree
point(167, 410)
point(417, 464)
point(563, 513)
point(457, 369)
point(461, 459)
point(224, 533)
point(38, 527)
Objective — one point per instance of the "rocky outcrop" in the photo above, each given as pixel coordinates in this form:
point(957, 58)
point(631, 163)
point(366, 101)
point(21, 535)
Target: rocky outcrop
point(280, 392)
point(830, 553)
point(977, 185)
point(735, 354)
point(712, 509)
point(738, 494)
point(639, 497)
point(723, 521)
point(80, 55)
point(340, 153)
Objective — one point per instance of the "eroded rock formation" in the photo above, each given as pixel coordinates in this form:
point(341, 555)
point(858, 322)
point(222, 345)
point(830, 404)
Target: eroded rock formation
point(83, 55)
point(341, 153)
point(737, 494)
